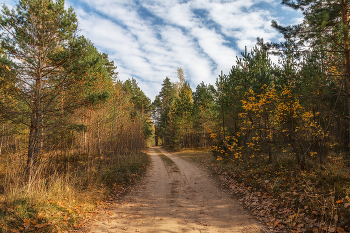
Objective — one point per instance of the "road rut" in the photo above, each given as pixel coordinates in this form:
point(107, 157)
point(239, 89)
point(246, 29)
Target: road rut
point(175, 197)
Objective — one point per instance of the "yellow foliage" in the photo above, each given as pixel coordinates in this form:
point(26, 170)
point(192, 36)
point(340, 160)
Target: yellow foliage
point(271, 113)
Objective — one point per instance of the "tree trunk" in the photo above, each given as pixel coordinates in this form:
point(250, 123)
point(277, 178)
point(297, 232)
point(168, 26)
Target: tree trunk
point(33, 143)
point(34, 126)
point(223, 118)
point(156, 135)
point(2, 138)
point(99, 150)
point(269, 137)
point(347, 66)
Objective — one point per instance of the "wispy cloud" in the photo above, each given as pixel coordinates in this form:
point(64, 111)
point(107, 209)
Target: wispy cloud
point(150, 39)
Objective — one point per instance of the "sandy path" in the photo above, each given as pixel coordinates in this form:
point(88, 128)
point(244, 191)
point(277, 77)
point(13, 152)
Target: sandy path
point(185, 199)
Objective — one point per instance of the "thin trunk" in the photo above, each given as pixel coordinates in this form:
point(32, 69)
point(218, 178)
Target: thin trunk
point(269, 137)
point(222, 106)
point(98, 140)
point(85, 134)
point(112, 150)
point(347, 63)
point(156, 135)
point(42, 132)
point(1, 145)
point(2, 138)
point(34, 127)
point(223, 117)
point(89, 145)
point(33, 142)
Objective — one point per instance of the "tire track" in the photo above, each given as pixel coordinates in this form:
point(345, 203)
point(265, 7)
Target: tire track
point(175, 196)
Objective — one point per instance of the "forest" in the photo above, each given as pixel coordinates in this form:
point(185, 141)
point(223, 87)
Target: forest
point(72, 133)
point(70, 130)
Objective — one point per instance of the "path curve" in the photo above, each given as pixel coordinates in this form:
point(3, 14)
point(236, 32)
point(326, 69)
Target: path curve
point(171, 200)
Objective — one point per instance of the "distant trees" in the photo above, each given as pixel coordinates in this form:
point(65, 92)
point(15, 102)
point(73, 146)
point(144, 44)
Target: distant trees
point(203, 114)
point(162, 111)
point(183, 118)
point(260, 110)
point(298, 109)
point(141, 105)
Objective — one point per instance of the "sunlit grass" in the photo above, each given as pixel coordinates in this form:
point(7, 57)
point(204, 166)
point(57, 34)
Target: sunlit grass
point(61, 196)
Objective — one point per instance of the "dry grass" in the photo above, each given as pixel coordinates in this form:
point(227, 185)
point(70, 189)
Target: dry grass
point(64, 190)
point(202, 157)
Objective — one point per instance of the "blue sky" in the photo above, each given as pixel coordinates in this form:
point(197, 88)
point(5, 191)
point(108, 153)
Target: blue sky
point(150, 39)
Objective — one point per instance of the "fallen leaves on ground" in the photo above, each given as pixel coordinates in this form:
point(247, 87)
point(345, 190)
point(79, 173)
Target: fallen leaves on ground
point(279, 211)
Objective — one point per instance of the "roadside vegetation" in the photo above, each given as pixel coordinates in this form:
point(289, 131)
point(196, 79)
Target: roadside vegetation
point(71, 134)
point(283, 196)
point(59, 200)
point(279, 133)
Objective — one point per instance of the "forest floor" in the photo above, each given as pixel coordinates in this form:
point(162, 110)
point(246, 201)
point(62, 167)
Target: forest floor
point(283, 197)
point(174, 196)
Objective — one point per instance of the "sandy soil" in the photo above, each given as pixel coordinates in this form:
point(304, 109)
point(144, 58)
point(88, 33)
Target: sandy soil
point(181, 198)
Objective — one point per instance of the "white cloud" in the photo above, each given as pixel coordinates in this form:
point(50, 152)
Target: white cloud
point(9, 3)
point(213, 45)
point(151, 51)
point(241, 23)
point(150, 39)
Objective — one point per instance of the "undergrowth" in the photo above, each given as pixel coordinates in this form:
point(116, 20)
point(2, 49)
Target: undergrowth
point(315, 199)
point(64, 191)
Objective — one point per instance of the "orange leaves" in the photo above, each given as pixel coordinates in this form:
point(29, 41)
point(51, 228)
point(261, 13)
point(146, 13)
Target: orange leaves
point(275, 113)
point(8, 68)
point(312, 153)
point(229, 147)
point(66, 218)
point(340, 230)
point(346, 205)
point(39, 226)
point(259, 103)
point(26, 223)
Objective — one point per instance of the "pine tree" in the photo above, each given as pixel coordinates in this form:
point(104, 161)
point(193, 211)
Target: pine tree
point(49, 70)
point(181, 81)
point(325, 30)
point(142, 104)
point(204, 112)
point(183, 116)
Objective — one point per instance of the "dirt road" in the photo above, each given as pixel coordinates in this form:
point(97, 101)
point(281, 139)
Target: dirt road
point(175, 196)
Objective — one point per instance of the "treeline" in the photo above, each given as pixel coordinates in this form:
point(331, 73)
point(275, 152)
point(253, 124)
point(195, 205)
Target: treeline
point(184, 118)
point(298, 108)
point(61, 103)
